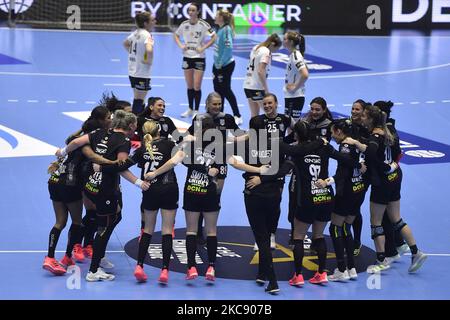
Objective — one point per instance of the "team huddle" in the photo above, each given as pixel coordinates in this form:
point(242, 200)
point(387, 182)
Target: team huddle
point(119, 135)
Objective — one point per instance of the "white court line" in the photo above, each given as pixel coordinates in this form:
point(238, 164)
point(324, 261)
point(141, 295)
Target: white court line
point(445, 101)
point(13, 100)
point(414, 102)
point(398, 103)
point(51, 101)
point(430, 101)
point(355, 75)
point(33, 101)
point(347, 104)
point(115, 60)
point(71, 101)
point(90, 102)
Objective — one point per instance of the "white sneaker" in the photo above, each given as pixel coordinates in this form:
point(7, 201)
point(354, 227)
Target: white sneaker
point(417, 261)
point(273, 244)
point(352, 273)
point(238, 120)
point(255, 247)
point(100, 275)
point(187, 113)
point(404, 248)
point(393, 259)
point(106, 264)
point(380, 266)
point(339, 276)
point(194, 113)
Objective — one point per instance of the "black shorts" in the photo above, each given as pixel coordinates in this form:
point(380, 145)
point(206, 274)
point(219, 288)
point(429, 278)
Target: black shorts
point(388, 191)
point(106, 204)
point(205, 203)
point(309, 214)
point(348, 205)
point(142, 84)
point(161, 198)
point(293, 107)
point(62, 193)
point(255, 95)
point(194, 63)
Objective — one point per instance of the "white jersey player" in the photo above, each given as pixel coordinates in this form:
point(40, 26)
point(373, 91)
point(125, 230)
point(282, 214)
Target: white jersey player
point(139, 45)
point(255, 84)
point(296, 74)
point(194, 31)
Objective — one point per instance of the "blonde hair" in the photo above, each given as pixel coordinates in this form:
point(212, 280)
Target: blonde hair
point(151, 131)
point(228, 19)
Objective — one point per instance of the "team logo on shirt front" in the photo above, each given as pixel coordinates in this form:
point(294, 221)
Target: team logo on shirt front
point(236, 258)
point(165, 127)
point(222, 122)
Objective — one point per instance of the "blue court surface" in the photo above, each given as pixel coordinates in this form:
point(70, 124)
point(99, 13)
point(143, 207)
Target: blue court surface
point(50, 80)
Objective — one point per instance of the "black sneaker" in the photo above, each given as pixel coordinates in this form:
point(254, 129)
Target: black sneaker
point(260, 279)
point(272, 287)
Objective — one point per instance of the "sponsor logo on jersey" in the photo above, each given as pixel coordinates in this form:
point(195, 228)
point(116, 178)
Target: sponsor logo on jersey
point(236, 258)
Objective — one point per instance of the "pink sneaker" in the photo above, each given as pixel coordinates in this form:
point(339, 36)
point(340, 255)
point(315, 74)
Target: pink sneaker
point(191, 273)
point(164, 276)
point(78, 253)
point(210, 274)
point(319, 278)
point(66, 261)
point(140, 274)
point(53, 266)
point(297, 280)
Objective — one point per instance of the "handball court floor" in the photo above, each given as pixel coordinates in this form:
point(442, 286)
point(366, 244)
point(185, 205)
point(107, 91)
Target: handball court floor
point(49, 80)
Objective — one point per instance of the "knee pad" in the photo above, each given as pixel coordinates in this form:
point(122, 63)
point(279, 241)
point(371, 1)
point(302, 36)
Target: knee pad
point(347, 229)
point(335, 231)
point(399, 225)
point(376, 231)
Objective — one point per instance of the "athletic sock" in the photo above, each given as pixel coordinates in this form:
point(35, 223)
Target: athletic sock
point(53, 241)
point(143, 248)
point(191, 96)
point(75, 235)
point(191, 249)
point(211, 243)
point(299, 253)
point(198, 98)
point(166, 249)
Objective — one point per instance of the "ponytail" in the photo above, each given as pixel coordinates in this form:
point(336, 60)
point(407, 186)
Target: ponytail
point(378, 119)
point(150, 130)
point(298, 40)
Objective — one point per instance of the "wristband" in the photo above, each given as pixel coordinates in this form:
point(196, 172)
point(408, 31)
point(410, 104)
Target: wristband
point(138, 182)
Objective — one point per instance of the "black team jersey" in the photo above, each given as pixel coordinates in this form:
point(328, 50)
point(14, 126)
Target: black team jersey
point(349, 180)
point(166, 126)
point(162, 152)
point(108, 144)
point(69, 169)
point(224, 123)
point(198, 160)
